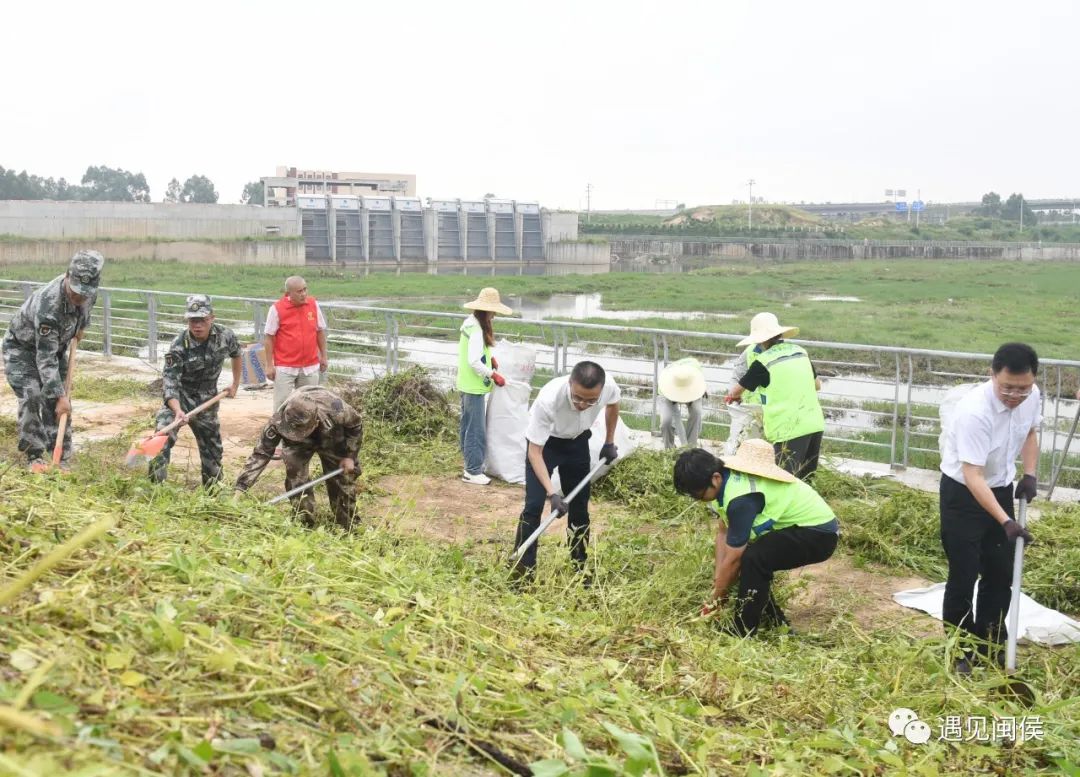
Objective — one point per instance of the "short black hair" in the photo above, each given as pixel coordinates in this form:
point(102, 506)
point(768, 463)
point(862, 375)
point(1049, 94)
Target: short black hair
point(694, 470)
point(1017, 358)
point(588, 375)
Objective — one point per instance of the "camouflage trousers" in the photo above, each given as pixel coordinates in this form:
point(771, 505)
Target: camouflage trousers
point(207, 430)
point(37, 421)
point(340, 489)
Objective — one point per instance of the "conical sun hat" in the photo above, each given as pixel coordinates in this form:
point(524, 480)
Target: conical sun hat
point(488, 299)
point(764, 326)
point(756, 457)
point(682, 381)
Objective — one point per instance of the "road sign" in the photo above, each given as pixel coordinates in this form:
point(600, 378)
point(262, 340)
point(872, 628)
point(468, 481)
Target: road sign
point(888, 192)
point(901, 192)
point(901, 207)
point(918, 205)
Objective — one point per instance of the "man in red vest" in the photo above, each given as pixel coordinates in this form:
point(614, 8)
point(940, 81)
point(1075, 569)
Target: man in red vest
point(295, 341)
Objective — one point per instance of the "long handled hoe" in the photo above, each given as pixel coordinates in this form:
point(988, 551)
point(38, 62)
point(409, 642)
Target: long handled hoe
point(553, 515)
point(62, 422)
point(151, 445)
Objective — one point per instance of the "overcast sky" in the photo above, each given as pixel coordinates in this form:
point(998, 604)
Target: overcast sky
point(646, 101)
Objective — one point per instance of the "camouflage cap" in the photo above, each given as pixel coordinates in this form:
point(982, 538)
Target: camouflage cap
point(297, 417)
point(84, 272)
point(198, 306)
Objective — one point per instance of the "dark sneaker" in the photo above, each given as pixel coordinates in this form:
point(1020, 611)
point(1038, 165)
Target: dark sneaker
point(962, 667)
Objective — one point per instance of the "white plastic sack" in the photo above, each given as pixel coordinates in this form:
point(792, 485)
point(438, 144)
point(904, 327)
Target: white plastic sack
point(508, 412)
point(1037, 623)
point(623, 442)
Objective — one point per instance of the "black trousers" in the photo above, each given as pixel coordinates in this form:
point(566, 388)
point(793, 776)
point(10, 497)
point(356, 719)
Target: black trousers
point(799, 455)
point(977, 549)
point(770, 553)
point(573, 461)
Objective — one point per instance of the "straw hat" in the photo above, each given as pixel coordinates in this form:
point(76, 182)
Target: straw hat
point(756, 457)
point(488, 299)
point(682, 381)
point(764, 326)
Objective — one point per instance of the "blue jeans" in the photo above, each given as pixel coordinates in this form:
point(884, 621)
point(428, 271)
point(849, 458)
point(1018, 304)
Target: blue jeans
point(473, 437)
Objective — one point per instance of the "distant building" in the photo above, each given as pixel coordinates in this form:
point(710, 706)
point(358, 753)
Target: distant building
point(281, 190)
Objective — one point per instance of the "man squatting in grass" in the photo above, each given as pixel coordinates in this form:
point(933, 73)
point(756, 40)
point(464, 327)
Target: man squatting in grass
point(558, 436)
point(990, 426)
point(36, 354)
point(190, 377)
point(770, 521)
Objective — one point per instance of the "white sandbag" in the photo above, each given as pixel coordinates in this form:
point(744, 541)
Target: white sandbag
point(507, 418)
point(516, 362)
point(508, 412)
point(623, 442)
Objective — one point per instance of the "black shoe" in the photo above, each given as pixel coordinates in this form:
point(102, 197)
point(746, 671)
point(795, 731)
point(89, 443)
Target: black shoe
point(521, 576)
point(962, 667)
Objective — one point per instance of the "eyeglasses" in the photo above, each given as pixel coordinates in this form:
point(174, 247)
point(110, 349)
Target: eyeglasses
point(1015, 392)
point(581, 401)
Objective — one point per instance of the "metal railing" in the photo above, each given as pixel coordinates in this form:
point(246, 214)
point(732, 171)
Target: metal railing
point(881, 403)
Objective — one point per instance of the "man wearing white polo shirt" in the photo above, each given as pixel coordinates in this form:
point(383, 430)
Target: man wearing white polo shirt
point(294, 338)
point(558, 436)
point(991, 425)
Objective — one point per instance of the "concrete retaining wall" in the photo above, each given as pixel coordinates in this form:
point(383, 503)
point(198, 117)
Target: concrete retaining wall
point(578, 253)
point(59, 252)
point(60, 220)
point(559, 225)
point(628, 248)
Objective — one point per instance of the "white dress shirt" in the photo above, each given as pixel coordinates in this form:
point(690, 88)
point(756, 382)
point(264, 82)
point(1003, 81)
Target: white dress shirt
point(552, 414)
point(273, 323)
point(984, 432)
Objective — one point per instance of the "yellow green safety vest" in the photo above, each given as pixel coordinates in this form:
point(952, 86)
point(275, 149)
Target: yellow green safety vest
point(750, 397)
point(786, 504)
point(790, 402)
point(468, 381)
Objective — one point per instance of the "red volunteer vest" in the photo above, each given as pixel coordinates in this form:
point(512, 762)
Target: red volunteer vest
point(295, 344)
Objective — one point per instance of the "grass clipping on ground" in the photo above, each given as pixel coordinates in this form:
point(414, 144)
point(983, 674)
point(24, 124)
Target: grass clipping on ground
point(204, 634)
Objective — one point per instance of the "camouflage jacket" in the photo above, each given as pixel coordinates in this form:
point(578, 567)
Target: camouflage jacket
point(44, 326)
point(195, 367)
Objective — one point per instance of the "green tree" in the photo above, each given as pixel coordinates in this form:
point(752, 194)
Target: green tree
point(172, 192)
point(198, 188)
point(991, 205)
point(114, 185)
point(1010, 211)
point(253, 193)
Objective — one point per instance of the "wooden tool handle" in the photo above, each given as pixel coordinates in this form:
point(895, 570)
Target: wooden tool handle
point(194, 411)
point(61, 426)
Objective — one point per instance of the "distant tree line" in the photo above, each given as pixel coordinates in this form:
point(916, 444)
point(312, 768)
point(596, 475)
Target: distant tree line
point(107, 184)
point(1010, 210)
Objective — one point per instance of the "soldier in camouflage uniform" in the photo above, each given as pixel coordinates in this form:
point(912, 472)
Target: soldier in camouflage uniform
point(312, 420)
point(36, 353)
point(190, 377)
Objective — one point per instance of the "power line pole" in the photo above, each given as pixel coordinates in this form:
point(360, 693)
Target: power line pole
point(750, 213)
point(1021, 213)
point(588, 203)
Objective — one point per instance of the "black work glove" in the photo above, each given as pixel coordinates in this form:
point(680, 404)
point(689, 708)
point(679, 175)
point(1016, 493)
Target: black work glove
point(558, 504)
point(1014, 530)
point(609, 452)
point(1026, 488)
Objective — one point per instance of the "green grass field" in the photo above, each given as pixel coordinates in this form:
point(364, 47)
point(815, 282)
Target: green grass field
point(949, 305)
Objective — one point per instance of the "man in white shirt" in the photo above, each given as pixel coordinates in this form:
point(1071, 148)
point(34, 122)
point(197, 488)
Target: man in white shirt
point(990, 426)
point(294, 338)
point(558, 436)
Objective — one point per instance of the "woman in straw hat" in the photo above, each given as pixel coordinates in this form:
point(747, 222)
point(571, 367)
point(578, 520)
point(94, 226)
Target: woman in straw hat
point(783, 377)
point(770, 521)
point(475, 376)
point(681, 383)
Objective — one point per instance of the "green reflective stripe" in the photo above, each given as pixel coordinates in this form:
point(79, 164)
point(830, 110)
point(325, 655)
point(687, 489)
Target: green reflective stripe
point(468, 381)
point(790, 401)
point(786, 504)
